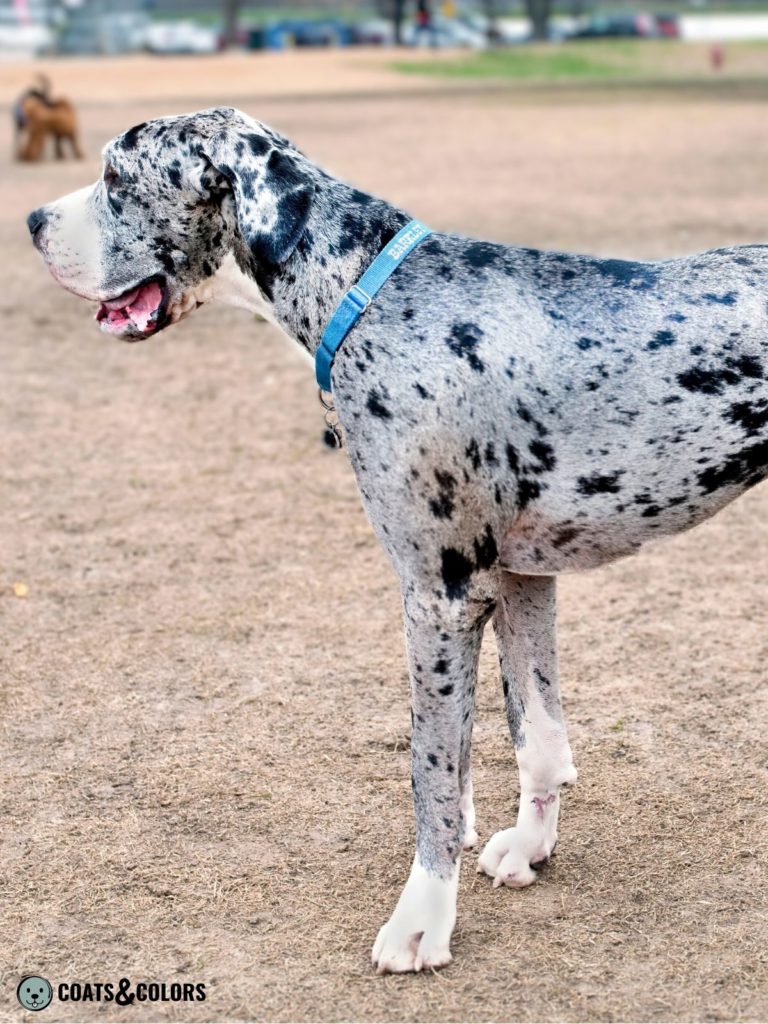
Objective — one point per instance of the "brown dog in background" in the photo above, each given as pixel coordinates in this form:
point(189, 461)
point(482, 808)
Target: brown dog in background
point(37, 116)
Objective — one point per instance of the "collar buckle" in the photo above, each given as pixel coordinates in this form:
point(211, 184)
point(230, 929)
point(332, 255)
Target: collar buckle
point(359, 297)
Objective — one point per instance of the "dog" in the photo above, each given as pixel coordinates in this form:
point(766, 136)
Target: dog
point(510, 414)
point(36, 116)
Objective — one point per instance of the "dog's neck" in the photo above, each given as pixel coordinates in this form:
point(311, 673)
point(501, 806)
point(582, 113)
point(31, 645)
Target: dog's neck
point(345, 232)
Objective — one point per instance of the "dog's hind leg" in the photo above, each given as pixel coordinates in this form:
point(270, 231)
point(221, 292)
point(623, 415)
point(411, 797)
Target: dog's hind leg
point(524, 623)
point(443, 639)
point(467, 805)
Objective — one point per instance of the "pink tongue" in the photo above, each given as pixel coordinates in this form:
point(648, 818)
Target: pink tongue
point(139, 307)
point(144, 301)
point(125, 300)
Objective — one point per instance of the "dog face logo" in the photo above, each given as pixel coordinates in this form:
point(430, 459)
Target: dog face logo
point(34, 992)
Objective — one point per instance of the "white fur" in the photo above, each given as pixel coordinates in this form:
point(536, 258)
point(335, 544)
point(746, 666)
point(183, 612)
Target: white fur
point(231, 286)
point(418, 934)
point(545, 764)
point(467, 807)
point(234, 288)
point(73, 247)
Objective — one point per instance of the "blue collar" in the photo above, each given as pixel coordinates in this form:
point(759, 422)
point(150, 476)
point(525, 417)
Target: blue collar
point(360, 296)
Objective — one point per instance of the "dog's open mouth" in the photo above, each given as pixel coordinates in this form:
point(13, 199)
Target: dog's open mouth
point(136, 313)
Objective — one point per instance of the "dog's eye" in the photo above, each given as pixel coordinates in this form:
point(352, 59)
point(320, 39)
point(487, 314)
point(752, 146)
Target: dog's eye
point(111, 177)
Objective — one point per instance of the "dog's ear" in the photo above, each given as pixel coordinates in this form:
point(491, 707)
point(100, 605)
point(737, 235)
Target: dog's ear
point(271, 187)
point(206, 180)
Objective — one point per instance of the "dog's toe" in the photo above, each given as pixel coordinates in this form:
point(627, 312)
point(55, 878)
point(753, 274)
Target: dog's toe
point(395, 957)
point(507, 859)
point(400, 954)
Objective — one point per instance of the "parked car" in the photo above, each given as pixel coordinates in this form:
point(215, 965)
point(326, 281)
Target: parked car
point(446, 32)
point(376, 32)
point(268, 37)
point(629, 25)
point(308, 32)
point(556, 33)
point(107, 34)
point(279, 35)
point(618, 26)
point(180, 37)
point(668, 26)
point(24, 40)
point(504, 31)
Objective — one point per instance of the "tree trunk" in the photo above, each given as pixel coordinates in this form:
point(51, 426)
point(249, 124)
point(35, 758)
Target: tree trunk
point(490, 8)
point(394, 11)
point(539, 11)
point(231, 11)
point(398, 17)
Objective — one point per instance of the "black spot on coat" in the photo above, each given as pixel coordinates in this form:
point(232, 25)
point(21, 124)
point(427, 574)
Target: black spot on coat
point(463, 341)
point(661, 339)
point(599, 483)
point(376, 407)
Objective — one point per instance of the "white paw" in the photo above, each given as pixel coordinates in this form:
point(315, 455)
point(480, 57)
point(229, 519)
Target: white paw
point(418, 935)
point(508, 855)
point(398, 953)
point(507, 860)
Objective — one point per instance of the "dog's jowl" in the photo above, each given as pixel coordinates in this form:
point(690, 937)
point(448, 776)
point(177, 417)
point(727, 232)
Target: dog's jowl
point(510, 414)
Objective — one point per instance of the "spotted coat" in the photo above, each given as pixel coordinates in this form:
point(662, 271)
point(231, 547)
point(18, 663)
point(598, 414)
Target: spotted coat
point(510, 415)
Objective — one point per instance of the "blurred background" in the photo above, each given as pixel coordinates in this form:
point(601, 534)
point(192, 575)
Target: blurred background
point(204, 695)
point(44, 27)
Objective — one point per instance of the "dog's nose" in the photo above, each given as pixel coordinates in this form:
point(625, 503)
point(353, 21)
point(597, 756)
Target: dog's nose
point(36, 221)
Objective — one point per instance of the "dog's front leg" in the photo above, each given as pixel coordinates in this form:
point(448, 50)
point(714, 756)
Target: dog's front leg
point(524, 623)
point(443, 645)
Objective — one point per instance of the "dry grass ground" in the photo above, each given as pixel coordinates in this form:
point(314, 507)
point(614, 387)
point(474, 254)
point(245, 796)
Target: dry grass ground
point(205, 716)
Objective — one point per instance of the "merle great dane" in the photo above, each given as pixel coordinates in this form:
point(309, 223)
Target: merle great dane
point(510, 414)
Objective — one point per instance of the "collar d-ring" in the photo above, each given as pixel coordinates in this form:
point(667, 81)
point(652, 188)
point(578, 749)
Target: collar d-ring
point(331, 418)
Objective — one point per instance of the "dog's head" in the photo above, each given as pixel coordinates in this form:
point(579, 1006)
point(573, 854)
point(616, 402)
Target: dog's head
point(176, 196)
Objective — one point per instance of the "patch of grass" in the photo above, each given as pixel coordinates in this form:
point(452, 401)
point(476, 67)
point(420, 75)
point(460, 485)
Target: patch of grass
point(599, 60)
point(560, 63)
point(758, 8)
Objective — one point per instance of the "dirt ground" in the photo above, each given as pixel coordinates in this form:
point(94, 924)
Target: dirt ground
point(205, 714)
